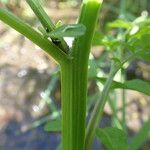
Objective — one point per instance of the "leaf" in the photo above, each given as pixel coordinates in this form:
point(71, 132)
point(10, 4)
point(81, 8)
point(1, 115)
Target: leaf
point(136, 44)
point(111, 42)
point(136, 85)
point(141, 136)
point(72, 30)
point(144, 55)
point(58, 24)
point(92, 68)
point(120, 24)
point(139, 35)
point(112, 138)
point(97, 39)
point(142, 31)
point(53, 126)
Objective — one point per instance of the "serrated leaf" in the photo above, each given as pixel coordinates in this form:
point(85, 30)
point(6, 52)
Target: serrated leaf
point(141, 136)
point(112, 138)
point(136, 85)
point(72, 30)
point(53, 126)
point(120, 24)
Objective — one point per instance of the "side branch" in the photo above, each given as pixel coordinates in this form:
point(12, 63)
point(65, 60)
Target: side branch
point(47, 23)
point(99, 107)
point(23, 28)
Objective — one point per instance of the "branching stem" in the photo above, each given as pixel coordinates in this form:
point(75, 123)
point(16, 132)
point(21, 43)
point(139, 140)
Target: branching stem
point(47, 23)
point(74, 81)
point(99, 107)
point(33, 35)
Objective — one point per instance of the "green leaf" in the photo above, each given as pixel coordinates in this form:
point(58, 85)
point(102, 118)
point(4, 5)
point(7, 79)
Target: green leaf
point(97, 39)
point(120, 24)
point(53, 126)
point(138, 36)
point(136, 44)
point(112, 138)
point(136, 85)
point(144, 55)
point(141, 136)
point(58, 24)
point(92, 68)
point(140, 32)
point(72, 30)
point(111, 42)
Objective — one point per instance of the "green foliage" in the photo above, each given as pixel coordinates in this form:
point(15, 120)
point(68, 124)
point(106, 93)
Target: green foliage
point(116, 139)
point(97, 38)
point(53, 126)
point(128, 40)
point(141, 136)
point(47, 24)
point(72, 30)
point(134, 38)
point(112, 138)
point(138, 36)
point(136, 85)
point(119, 24)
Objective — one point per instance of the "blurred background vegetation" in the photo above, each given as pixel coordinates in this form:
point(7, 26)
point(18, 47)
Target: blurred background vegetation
point(29, 79)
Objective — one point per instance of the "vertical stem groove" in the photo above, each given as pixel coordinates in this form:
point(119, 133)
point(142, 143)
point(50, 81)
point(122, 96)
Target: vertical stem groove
point(74, 81)
point(66, 95)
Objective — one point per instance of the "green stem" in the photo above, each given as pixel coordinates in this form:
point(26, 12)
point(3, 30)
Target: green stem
point(115, 120)
point(74, 81)
point(47, 23)
point(23, 28)
point(99, 107)
point(122, 74)
point(66, 95)
point(41, 14)
point(122, 9)
point(123, 92)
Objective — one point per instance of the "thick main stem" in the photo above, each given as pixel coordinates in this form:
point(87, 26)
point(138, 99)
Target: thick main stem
point(74, 91)
point(74, 81)
point(66, 95)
